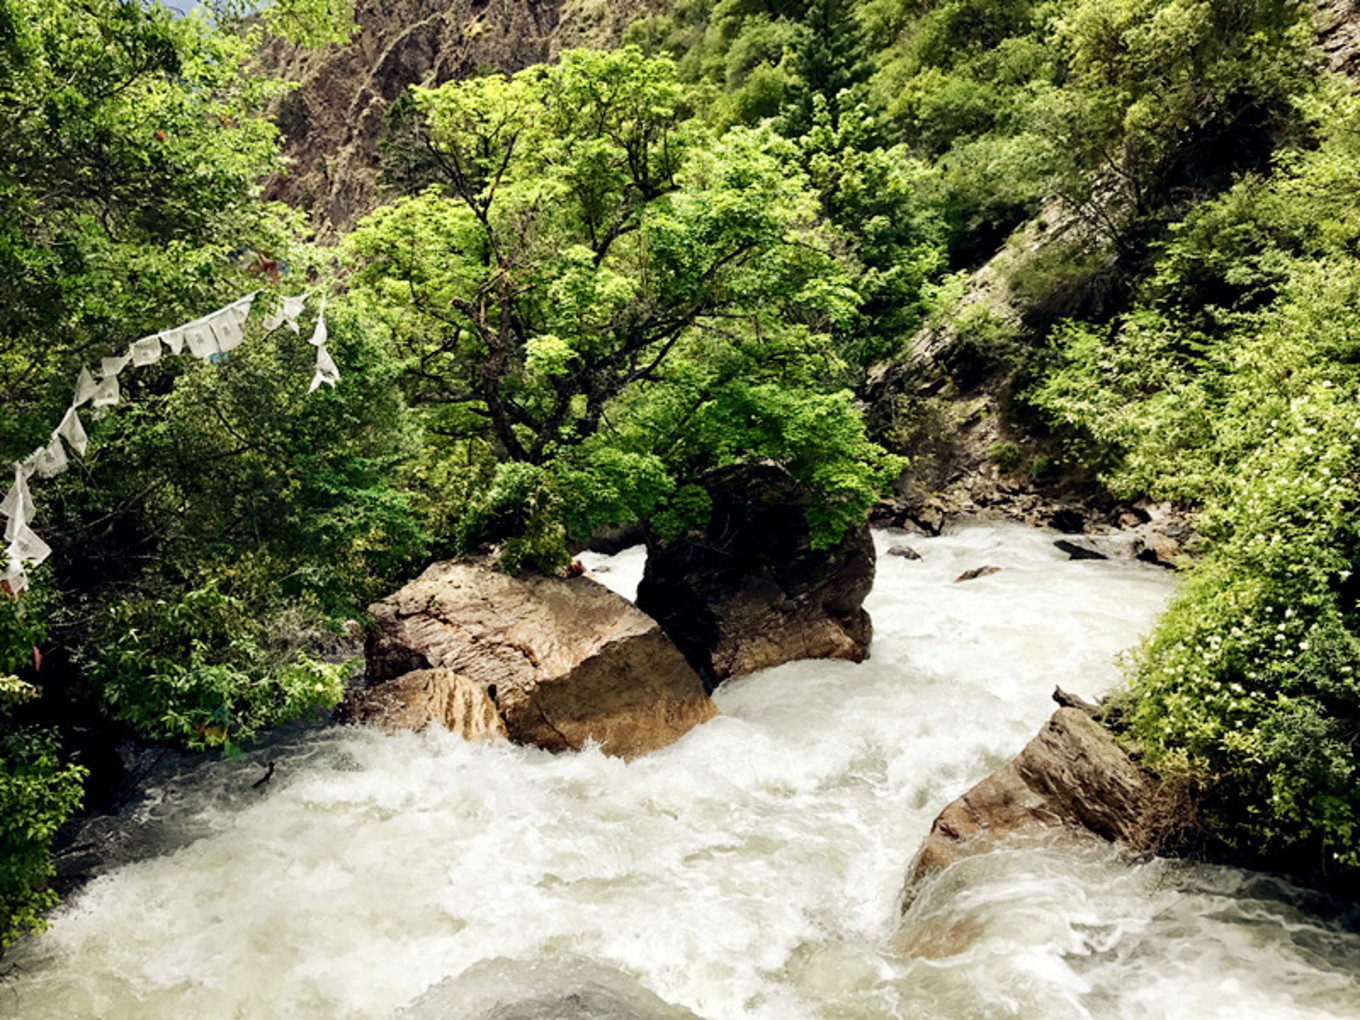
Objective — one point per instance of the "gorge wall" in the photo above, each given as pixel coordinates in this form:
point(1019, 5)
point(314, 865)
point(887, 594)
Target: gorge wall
point(334, 121)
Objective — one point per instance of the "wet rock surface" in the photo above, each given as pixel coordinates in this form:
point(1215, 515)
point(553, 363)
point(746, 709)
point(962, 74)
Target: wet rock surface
point(1071, 779)
point(546, 661)
point(748, 592)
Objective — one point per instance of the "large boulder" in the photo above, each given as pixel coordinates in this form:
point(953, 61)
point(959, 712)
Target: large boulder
point(546, 661)
point(1072, 778)
point(748, 592)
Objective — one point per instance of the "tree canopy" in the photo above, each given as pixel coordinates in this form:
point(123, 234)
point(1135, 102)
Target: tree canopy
point(601, 295)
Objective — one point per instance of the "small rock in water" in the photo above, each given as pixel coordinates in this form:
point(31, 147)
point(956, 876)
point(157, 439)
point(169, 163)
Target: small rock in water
point(905, 551)
point(976, 572)
point(1079, 551)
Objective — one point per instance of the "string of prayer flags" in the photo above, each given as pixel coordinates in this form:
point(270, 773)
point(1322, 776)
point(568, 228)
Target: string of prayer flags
point(210, 337)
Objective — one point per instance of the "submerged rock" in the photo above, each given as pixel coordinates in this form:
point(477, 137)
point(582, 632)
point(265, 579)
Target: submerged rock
point(748, 592)
point(976, 572)
point(1079, 550)
point(545, 661)
point(904, 551)
point(1071, 778)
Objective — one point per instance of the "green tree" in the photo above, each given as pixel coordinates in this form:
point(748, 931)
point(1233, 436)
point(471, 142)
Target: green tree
point(594, 259)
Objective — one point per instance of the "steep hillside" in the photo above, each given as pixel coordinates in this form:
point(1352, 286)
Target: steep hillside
point(335, 120)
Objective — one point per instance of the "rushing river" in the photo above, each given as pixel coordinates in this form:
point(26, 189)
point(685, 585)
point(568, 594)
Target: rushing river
point(752, 870)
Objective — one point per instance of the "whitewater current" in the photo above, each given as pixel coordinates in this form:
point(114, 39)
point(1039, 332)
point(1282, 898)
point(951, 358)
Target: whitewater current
point(751, 870)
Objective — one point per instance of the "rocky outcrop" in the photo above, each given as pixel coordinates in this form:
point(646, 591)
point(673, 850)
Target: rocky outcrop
point(1072, 778)
point(545, 661)
point(1338, 25)
point(333, 122)
point(748, 592)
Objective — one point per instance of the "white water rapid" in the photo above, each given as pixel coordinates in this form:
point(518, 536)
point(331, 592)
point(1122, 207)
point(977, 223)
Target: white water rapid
point(749, 872)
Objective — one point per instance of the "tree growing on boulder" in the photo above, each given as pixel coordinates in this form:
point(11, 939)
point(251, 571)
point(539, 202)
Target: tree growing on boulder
point(599, 300)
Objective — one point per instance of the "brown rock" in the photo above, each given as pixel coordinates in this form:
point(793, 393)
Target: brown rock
point(1071, 778)
point(423, 696)
point(748, 592)
point(561, 661)
point(976, 572)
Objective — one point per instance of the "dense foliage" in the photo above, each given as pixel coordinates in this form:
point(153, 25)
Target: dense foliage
point(1233, 386)
point(37, 791)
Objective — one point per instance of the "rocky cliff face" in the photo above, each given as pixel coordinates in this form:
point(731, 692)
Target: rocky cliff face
point(334, 121)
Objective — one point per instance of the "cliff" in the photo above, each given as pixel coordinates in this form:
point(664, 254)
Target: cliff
point(333, 123)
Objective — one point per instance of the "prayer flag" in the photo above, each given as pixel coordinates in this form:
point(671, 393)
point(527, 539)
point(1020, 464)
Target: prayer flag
point(227, 329)
point(27, 547)
point(85, 387)
point(52, 458)
point(146, 351)
point(17, 506)
point(73, 432)
point(106, 394)
point(320, 334)
point(174, 339)
point(202, 343)
point(110, 367)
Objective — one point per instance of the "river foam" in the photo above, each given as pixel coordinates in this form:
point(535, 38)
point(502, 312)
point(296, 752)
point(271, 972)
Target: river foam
point(751, 870)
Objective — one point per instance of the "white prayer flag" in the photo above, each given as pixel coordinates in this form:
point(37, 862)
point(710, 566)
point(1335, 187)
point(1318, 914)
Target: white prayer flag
point(28, 467)
point(27, 547)
point(227, 330)
point(241, 309)
point(146, 351)
point(85, 387)
point(320, 334)
point(52, 458)
point(106, 394)
point(202, 343)
point(326, 370)
point(73, 432)
point(110, 367)
point(14, 576)
point(17, 506)
point(292, 308)
point(174, 339)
